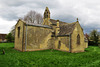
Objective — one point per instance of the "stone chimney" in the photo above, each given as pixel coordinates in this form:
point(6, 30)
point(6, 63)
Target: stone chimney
point(57, 28)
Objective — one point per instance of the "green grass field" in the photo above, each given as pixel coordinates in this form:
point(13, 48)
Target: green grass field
point(46, 58)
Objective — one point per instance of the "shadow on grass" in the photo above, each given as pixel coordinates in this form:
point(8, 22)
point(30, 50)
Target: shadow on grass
point(87, 51)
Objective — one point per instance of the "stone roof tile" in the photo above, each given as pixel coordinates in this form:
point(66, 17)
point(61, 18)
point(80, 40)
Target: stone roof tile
point(65, 28)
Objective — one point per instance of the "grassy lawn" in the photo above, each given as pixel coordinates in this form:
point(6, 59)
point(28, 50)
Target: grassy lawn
point(46, 58)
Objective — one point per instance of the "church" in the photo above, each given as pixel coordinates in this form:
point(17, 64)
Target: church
point(52, 34)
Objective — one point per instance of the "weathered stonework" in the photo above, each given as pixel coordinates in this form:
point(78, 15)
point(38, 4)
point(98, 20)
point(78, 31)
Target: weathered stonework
point(38, 37)
point(19, 40)
point(53, 34)
point(75, 47)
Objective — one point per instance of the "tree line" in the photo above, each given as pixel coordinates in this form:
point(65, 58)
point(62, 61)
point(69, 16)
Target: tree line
point(93, 38)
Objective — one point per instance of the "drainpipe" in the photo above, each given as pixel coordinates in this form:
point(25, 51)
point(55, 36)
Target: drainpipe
point(26, 38)
point(69, 42)
point(23, 38)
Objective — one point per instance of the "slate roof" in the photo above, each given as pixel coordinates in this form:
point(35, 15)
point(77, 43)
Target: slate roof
point(65, 28)
point(55, 22)
point(38, 25)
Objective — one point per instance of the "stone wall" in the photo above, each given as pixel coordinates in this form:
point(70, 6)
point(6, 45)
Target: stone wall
point(38, 38)
point(19, 40)
point(86, 44)
point(74, 46)
point(64, 43)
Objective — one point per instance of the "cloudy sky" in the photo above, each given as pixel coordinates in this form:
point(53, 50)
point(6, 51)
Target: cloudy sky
point(88, 12)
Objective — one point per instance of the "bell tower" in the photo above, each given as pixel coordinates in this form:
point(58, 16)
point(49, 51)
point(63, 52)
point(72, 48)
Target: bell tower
point(46, 18)
point(47, 13)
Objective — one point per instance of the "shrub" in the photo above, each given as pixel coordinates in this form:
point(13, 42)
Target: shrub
point(10, 38)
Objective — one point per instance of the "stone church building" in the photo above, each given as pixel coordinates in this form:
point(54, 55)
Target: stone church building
point(52, 34)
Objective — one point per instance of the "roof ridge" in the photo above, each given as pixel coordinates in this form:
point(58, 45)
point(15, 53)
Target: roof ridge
point(63, 22)
point(70, 23)
point(59, 21)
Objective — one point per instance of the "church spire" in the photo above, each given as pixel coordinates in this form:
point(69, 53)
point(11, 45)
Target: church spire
point(47, 13)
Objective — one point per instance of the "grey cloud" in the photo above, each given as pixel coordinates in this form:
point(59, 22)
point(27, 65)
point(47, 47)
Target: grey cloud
point(88, 12)
point(88, 28)
point(13, 9)
point(66, 18)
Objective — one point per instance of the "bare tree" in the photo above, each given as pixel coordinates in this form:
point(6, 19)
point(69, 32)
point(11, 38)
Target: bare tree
point(39, 18)
point(33, 17)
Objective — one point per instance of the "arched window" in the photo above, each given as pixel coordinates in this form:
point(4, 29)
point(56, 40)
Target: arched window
point(18, 31)
point(78, 39)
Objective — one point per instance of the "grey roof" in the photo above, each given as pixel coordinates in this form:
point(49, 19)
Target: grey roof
point(65, 28)
point(33, 24)
point(38, 25)
point(55, 22)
